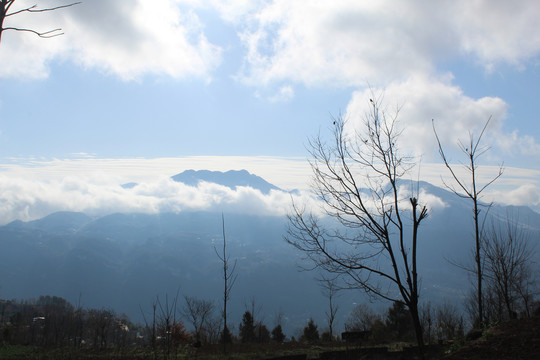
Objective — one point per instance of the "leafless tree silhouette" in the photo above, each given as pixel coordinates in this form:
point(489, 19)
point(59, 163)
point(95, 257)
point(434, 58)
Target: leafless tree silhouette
point(229, 278)
point(166, 324)
point(473, 150)
point(330, 290)
point(197, 312)
point(509, 254)
point(7, 11)
point(372, 245)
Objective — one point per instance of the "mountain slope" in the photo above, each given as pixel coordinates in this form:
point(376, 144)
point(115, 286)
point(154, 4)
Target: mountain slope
point(62, 222)
point(123, 261)
point(231, 179)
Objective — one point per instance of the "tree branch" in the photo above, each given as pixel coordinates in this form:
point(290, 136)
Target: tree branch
point(46, 34)
point(34, 10)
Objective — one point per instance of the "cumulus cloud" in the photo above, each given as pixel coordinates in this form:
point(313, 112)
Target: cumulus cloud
point(498, 31)
point(528, 195)
point(343, 43)
point(122, 37)
point(421, 99)
point(351, 43)
point(432, 202)
point(318, 43)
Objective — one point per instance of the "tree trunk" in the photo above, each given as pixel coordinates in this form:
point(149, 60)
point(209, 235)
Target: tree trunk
point(477, 256)
point(413, 309)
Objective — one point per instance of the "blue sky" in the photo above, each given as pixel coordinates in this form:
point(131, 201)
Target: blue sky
point(246, 83)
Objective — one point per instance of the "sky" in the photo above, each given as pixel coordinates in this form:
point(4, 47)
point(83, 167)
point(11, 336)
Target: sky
point(141, 90)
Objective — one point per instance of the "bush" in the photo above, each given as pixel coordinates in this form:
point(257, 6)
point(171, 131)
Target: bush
point(474, 334)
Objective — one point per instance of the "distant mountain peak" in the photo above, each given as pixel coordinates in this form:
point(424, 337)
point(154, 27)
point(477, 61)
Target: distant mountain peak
point(230, 179)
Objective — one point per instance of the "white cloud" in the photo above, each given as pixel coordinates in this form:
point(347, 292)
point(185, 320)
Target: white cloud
point(527, 194)
point(343, 43)
point(498, 31)
point(286, 173)
point(34, 189)
point(330, 43)
point(31, 199)
point(421, 99)
point(351, 43)
point(432, 202)
point(122, 37)
point(285, 93)
point(235, 11)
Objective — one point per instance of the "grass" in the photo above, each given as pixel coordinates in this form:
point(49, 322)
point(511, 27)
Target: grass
point(207, 352)
point(18, 351)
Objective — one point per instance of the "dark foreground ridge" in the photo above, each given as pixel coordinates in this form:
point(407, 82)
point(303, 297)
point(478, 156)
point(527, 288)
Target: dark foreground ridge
point(516, 339)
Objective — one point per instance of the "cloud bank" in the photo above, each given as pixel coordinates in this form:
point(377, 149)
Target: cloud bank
point(35, 188)
point(29, 199)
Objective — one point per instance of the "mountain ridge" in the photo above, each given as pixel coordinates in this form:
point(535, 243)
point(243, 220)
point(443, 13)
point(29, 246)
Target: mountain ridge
point(124, 260)
point(231, 179)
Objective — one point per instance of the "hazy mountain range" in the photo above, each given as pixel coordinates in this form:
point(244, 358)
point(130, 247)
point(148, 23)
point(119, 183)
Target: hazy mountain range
point(123, 261)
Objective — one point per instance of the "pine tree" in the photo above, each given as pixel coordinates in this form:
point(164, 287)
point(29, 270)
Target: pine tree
point(398, 321)
point(247, 328)
point(311, 333)
point(277, 334)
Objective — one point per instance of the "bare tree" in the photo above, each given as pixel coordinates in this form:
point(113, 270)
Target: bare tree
point(254, 309)
point(330, 290)
point(197, 312)
point(366, 238)
point(214, 329)
point(361, 318)
point(229, 278)
point(449, 324)
point(508, 257)
point(151, 332)
point(166, 324)
point(473, 150)
point(7, 11)
point(100, 322)
point(427, 318)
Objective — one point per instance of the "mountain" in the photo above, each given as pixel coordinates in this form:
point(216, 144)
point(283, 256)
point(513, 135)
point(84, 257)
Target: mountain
point(56, 223)
point(123, 261)
point(231, 179)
